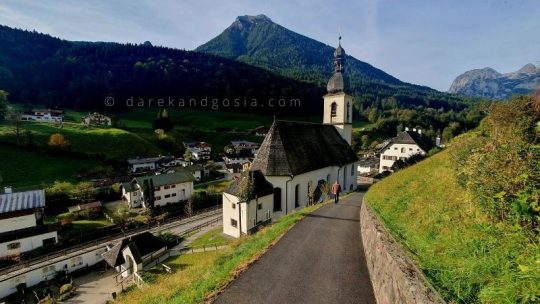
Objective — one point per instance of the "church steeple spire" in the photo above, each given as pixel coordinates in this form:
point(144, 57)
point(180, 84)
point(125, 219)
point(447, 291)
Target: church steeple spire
point(336, 83)
point(337, 104)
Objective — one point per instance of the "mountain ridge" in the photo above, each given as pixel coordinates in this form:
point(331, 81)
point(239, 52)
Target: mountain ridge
point(489, 83)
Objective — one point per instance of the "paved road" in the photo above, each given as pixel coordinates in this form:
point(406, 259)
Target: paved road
point(320, 260)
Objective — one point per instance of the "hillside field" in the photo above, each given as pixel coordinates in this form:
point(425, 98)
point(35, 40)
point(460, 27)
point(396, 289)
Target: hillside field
point(468, 257)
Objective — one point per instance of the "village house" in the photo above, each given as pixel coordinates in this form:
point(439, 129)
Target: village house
point(300, 160)
point(130, 255)
point(144, 164)
point(199, 150)
point(92, 209)
point(368, 166)
point(167, 188)
point(43, 115)
point(259, 131)
point(403, 146)
point(96, 119)
point(21, 222)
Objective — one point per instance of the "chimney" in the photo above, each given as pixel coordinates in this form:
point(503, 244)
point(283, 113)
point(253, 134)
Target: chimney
point(8, 190)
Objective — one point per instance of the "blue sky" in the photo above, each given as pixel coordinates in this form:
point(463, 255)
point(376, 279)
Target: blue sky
point(425, 42)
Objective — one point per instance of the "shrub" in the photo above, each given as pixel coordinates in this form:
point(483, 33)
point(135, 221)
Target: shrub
point(66, 288)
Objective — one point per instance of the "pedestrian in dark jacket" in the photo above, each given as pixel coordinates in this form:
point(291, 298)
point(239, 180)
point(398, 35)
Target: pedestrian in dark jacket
point(336, 190)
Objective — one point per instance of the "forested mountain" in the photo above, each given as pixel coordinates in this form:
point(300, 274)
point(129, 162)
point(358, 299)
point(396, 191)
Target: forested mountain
point(259, 41)
point(40, 69)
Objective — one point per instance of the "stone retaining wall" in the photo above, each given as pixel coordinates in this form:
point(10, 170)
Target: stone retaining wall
point(394, 276)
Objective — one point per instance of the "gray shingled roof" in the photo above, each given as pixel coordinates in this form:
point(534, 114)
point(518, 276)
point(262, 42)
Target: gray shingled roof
point(10, 202)
point(413, 138)
point(299, 147)
point(261, 187)
point(140, 245)
point(167, 178)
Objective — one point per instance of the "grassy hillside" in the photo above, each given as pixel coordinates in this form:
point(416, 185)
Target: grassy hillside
point(468, 256)
point(110, 142)
point(22, 168)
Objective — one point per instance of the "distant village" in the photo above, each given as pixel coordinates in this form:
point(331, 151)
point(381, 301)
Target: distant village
point(292, 168)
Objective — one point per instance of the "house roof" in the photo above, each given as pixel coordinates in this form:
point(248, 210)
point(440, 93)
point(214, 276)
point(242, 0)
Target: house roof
point(80, 207)
point(128, 186)
point(369, 162)
point(135, 161)
point(140, 245)
point(166, 178)
point(243, 143)
point(299, 147)
point(261, 187)
point(411, 137)
point(10, 202)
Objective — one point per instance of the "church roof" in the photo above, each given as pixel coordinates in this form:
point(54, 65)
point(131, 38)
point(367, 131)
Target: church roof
point(261, 186)
point(299, 147)
point(336, 83)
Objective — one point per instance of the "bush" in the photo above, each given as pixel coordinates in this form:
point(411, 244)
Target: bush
point(66, 288)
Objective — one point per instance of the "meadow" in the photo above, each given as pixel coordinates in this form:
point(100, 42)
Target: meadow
point(468, 256)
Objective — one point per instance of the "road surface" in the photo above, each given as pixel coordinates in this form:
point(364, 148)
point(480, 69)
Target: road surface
point(320, 260)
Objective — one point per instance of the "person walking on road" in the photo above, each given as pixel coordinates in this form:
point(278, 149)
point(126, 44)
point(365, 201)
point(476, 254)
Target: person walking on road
point(336, 190)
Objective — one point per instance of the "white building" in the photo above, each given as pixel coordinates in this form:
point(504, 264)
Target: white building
point(199, 150)
point(130, 255)
point(143, 164)
point(167, 188)
point(244, 215)
point(368, 166)
point(403, 146)
point(43, 115)
point(299, 160)
point(21, 222)
point(96, 119)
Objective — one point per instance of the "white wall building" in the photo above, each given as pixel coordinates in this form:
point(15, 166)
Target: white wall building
point(169, 188)
point(43, 115)
point(96, 119)
point(403, 146)
point(130, 255)
point(21, 222)
point(199, 150)
point(143, 164)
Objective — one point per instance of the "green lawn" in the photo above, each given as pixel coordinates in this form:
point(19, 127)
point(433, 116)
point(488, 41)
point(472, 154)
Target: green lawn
point(218, 186)
point(467, 256)
point(212, 237)
point(84, 226)
point(111, 142)
point(22, 168)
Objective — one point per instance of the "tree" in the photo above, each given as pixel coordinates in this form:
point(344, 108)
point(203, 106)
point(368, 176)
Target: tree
point(3, 104)
point(57, 141)
point(373, 115)
point(187, 155)
point(163, 121)
point(83, 191)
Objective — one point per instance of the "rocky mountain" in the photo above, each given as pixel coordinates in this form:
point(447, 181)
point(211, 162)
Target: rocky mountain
point(489, 83)
point(259, 41)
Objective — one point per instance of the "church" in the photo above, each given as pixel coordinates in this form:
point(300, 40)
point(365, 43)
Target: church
point(296, 163)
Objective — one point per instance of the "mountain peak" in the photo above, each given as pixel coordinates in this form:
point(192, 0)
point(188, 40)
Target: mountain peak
point(254, 19)
point(528, 68)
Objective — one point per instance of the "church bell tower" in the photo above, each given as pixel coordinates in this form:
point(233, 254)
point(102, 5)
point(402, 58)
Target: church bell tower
point(337, 104)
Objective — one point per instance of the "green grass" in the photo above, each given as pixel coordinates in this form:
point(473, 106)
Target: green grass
point(196, 276)
point(21, 168)
point(111, 142)
point(84, 226)
point(212, 237)
point(467, 256)
point(218, 186)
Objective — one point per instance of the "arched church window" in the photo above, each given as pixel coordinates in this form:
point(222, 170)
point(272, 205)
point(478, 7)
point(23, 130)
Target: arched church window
point(333, 110)
point(349, 111)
